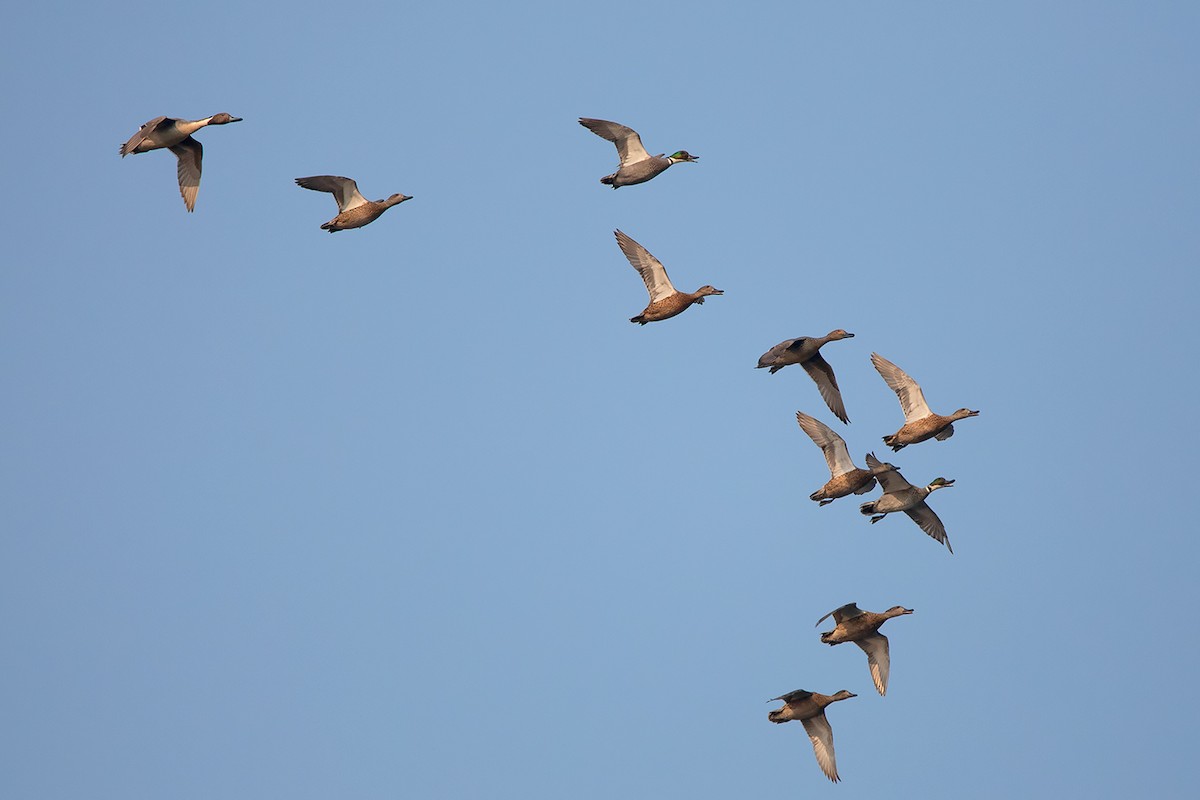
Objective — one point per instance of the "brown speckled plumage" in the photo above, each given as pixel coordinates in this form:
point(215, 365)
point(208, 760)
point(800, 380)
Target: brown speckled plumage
point(862, 628)
point(934, 426)
point(920, 423)
point(665, 300)
point(354, 210)
point(806, 351)
point(809, 709)
point(670, 306)
point(845, 477)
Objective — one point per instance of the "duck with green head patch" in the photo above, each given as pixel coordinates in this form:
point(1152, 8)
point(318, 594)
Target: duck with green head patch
point(900, 495)
point(637, 165)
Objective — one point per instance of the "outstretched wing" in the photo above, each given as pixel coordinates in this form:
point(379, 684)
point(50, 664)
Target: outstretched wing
point(878, 659)
point(629, 144)
point(822, 374)
point(653, 273)
point(344, 190)
point(822, 742)
point(837, 457)
point(928, 521)
point(912, 399)
point(189, 153)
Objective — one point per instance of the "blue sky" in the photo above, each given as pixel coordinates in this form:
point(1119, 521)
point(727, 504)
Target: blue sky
point(413, 511)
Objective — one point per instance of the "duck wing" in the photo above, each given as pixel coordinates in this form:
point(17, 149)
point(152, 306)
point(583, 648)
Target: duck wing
point(929, 522)
point(822, 741)
point(890, 479)
point(912, 399)
point(344, 190)
point(629, 144)
point(793, 696)
point(190, 153)
point(878, 659)
point(777, 357)
point(142, 133)
point(653, 273)
point(842, 613)
point(822, 374)
point(837, 457)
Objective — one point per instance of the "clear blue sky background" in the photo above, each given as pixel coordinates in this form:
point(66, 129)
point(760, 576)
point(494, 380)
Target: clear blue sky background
point(413, 511)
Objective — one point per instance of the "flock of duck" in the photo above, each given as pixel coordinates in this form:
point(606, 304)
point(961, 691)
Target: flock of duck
point(852, 624)
point(354, 210)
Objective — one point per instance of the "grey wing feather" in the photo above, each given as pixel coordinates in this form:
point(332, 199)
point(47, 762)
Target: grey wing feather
point(653, 273)
point(821, 735)
point(793, 696)
point(627, 140)
point(833, 447)
point(930, 523)
point(344, 190)
point(878, 659)
point(822, 374)
point(890, 479)
point(141, 134)
point(912, 399)
point(841, 613)
point(190, 153)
